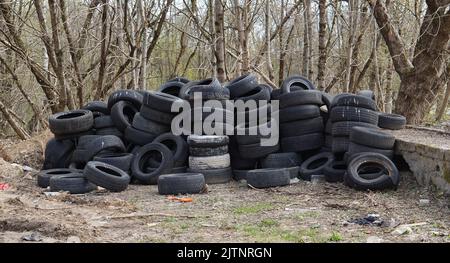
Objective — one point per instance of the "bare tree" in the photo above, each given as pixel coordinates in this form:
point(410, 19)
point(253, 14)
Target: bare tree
point(420, 76)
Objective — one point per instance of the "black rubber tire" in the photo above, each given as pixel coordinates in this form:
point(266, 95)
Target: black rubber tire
point(367, 93)
point(215, 176)
point(372, 138)
point(343, 128)
point(266, 178)
point(349, 113)
point(242, 85)
point(256, 151)
point(171, 87)
point(315, 165)
point(177, 145)
point(207, 141)
point(119, 160)
point(71, 122)
point(391, 121)
point(239, 175)
point(185, 183)
point(302, 127)
point(107, 176)
point(210, 162)
point(72, 183)
point(122, 114)
point(157, 116)
point(276, 94)
point(137, 137)
point(209, 92)
point(160, 101)
point(210, 83)
point(110, 131)
point(355, 148)
point(294, 172)
point(84, 141)
point(103, 122)
point(260, 92)
point(328, 142)
point(254, 116)
point(327, 99)
point(58, 154)
point(175, 170)
point(149, 126)
point(141, 158)
point(73, 136)
point(335, 171)
point(302, 97)
point(43, 177)
point(205, 152)
point(237, 161)
point(179, 79)
point(303, 143)
point(329, 127)
point(302, 112)
point(340, 144)
point(352, 100)
point(281, 160)
point(247, 129)
point(131, 96)
point(108, 143)
point(390, 179)
point(97, 107)
point(296, 81)
point(227, 116)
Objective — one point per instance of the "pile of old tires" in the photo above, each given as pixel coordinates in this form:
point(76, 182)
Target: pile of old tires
point(128, 139)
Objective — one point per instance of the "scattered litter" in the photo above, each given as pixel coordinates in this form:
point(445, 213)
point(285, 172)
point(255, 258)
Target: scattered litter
point(295, 181)
point(4, 186)
point(181, 200)
point(369, 220)
point(402, 230)
point(317, 179)
point(33, 237)
point(24, 167)
point(52, 194)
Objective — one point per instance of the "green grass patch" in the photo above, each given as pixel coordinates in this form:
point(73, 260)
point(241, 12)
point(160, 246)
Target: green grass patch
point(252, 209)
point(335, 237)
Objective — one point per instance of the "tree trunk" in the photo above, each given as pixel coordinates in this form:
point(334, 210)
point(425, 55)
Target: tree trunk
point(19, 131)
point(322, 64)
point(268, 42)
point(353, 24)
point(103, 51)
point(220, 40)
point(306, 38)
point(443, 107)
point(420, 78)
point(144, 44)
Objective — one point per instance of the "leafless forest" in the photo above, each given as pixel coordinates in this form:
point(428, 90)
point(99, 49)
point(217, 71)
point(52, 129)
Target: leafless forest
point(59, 54)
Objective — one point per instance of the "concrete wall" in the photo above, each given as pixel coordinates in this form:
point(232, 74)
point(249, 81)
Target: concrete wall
point(430, 165)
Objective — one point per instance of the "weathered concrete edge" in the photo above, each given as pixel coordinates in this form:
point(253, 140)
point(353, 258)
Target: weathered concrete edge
point(429, 164)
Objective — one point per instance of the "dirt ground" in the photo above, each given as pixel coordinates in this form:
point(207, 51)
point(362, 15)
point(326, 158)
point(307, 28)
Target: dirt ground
point(302, 212)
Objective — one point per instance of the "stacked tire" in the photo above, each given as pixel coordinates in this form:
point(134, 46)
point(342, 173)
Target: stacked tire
point(246, 146)
point(301, 124)
point(348, 111)
point(209, 156)
point(371, 140)
point(198, 92)
point(154, 118)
